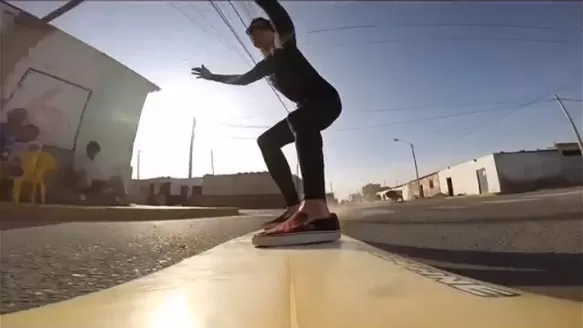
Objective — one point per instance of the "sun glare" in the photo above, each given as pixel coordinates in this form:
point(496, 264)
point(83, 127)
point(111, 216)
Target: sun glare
point(165, 127)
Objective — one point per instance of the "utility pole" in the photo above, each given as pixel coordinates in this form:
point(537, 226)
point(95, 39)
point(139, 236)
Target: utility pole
point(191, 150)
point(415, 163)
point(61, 10)
point(580, 142)
point(212, 162)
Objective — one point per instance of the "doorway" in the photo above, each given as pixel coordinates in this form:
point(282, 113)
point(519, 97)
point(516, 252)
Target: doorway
point(449, 186)
point(482, 181)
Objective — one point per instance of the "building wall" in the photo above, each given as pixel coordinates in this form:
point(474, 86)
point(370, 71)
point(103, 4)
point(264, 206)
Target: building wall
point(533, 170)
point(175, 184)
point(271, 201)
point(259, 183)
point(406, 191)
point(243, 190)
point(73, 92)
point(464, 179)
point(430, 183)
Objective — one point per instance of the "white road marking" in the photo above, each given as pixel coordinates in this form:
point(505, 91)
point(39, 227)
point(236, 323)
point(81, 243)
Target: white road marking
point(558, 194)
point(504, 201)
point(377, 211)
point(449, 207)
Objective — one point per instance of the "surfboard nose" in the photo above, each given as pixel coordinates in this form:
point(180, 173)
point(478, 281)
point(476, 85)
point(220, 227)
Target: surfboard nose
point(345, 284)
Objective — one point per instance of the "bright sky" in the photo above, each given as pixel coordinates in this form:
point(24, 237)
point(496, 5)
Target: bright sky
point(401, 79)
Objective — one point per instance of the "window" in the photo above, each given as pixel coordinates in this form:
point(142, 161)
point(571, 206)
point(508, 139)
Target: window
point(430, 184)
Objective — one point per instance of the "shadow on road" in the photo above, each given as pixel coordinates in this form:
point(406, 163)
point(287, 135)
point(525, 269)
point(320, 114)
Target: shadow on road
point(518, 269)
point(567, 216)
point(21, 224)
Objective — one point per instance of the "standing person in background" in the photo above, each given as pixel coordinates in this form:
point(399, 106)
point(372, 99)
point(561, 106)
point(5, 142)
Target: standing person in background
point(318, 106)
point(91, 180)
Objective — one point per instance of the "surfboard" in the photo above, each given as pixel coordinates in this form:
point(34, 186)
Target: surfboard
point(345, 284)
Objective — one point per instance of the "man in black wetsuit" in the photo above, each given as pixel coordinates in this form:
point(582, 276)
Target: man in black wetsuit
point(318, 105)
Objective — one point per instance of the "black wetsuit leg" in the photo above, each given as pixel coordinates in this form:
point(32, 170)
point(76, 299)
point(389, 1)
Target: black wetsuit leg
point(270, 143)
point(307, 121)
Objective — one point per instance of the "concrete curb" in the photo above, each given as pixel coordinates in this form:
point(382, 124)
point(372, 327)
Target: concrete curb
point(58, 213)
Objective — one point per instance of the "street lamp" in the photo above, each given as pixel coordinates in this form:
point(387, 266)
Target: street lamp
point(414, 162)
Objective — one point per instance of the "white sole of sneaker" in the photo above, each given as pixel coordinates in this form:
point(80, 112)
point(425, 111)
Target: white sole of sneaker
point(300, 238)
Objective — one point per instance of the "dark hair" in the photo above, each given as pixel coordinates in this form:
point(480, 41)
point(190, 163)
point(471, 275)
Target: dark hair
point(259, 23)
point(93, 145)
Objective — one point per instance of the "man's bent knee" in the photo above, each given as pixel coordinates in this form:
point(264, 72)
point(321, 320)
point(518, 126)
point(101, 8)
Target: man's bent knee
point(264, 142)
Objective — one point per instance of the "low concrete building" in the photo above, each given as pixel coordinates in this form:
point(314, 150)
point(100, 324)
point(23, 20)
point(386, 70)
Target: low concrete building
point(243, 190)
point(504, 172)
point(165, 190)
point(430, 184)
point(511, 172)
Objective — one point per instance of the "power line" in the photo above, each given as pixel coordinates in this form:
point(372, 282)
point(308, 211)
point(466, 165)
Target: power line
point(248, 9)
point(237, 13)
point(515, 110)
point(192, 20)
point(414, 121)
point(489, 25)
point(226, 21)
point(232, 29)
point(213, 26)
point(461, 39)
point(419, 108)
point(572, 100)
point(421, 120)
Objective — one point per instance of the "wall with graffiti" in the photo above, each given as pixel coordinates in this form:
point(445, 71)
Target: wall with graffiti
point(60, 93)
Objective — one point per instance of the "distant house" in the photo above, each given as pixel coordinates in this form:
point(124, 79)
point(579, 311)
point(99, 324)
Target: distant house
point(519, 171)
point(165, 190)
point(243, 190)
point(504, 172)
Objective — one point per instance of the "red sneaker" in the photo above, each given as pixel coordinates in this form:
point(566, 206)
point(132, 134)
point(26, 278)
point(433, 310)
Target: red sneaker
point(298, 230)
point(277, 221)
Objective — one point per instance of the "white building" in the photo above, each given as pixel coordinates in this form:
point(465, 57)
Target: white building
point(509, 172)
point(71, 91)
point(504, 172)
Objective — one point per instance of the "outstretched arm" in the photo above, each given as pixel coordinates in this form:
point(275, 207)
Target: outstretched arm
point(262, 69)
point(280, 20)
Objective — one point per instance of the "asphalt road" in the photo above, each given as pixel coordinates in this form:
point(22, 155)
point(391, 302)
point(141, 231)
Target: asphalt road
point(530, 241)
point(46, 264)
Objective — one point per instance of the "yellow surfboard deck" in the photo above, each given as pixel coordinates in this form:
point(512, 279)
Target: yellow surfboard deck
point(342, 285)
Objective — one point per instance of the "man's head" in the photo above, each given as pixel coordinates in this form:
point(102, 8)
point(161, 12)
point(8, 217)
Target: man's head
point(93, 148)
point(261, 33)
point(16, 116)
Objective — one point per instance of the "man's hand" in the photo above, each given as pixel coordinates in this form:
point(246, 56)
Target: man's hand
point(202, 72)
